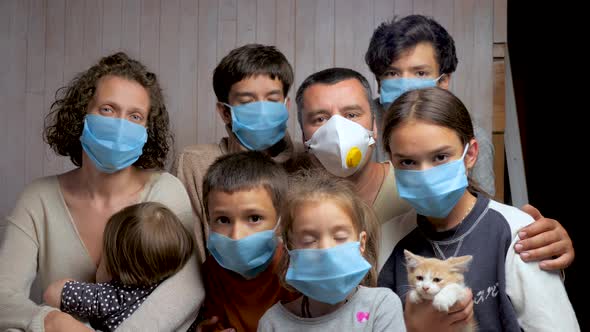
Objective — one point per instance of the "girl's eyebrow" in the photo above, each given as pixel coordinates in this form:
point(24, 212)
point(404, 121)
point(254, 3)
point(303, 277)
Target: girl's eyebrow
point(444, 148)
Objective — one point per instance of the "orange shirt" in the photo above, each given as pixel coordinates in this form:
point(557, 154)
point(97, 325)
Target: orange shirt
point(240, 302)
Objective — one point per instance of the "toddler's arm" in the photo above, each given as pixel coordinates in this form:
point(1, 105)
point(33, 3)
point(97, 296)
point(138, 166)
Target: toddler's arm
point(52, 295)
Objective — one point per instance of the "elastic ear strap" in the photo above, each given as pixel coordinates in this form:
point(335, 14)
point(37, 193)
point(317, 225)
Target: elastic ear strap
point(465, 151)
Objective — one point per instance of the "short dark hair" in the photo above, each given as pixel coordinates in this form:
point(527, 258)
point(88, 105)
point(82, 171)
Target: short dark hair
point(64, 123)
point(145, 243)
point(332, 76)
point(251, 60)
point(394, 37)
point(243, 171)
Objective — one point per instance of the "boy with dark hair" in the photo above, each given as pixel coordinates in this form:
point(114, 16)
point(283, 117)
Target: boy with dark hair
point(417, 52)
point(251, 84)
point(242, 194)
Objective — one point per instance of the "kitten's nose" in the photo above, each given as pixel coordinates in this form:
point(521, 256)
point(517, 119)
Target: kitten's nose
point(425, 288)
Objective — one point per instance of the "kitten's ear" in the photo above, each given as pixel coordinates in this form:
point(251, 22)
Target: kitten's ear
point(460, 264)
point(412, 260)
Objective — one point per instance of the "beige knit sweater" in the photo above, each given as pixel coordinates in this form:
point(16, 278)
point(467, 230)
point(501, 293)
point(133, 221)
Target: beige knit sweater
point(41, 242)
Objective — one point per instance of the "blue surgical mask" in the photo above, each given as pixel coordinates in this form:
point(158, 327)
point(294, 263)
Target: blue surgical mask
point(247, 256)
point(327, 275)
point(259, 125)
point(435, 191)
point(112, 143)
point(392, 88)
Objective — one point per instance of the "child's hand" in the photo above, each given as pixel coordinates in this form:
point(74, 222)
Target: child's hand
point(57, 321)
point(545, 240)
point(52, 295)
point(424, 317)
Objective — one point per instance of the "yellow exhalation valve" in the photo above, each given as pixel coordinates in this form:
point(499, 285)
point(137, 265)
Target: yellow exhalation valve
point(353, 157)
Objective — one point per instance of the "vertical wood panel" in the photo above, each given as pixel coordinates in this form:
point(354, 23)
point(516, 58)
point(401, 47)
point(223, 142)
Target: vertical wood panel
point(149, 45)
point(75, 59)
point(403, 8)
point(482, 75)
point(324, 35)
point(92, 32)
point(8, 200)
point(383, 11)
point(186, 133)
point(14, 86)
point(55, 57)
point(169, 56)
point(207, 61)
point(424, 7)
point(34, 146)
point(500, 21)
point(74, 31)
point(130, 27)
point(463, 34)
point(304, 46)
point(445, 11)
point(353, 33)
point(265, 21)
point(112, 26)
point(246, 22)
point(226, 41)
point(285, 42)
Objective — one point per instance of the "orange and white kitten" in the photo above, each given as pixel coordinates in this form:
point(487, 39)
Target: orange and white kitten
point(440, 281)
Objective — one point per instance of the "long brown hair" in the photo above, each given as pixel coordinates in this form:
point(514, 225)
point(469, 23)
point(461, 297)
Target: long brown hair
point(436, 106)
point(315, 186)
point(145, 243)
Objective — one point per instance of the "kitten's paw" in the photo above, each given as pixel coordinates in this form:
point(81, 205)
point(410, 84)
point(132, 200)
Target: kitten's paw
point(442, 302)
point(414, 297)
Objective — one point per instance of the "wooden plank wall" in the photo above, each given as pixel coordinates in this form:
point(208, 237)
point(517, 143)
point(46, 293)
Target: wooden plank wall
point(46, 42)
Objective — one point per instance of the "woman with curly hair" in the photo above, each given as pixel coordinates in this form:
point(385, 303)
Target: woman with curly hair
point(112, 123)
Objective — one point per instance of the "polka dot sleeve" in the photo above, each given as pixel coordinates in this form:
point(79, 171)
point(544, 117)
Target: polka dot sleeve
point(87, 300)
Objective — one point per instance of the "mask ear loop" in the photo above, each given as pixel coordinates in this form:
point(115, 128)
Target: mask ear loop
point(465, 151)
point(438, 78)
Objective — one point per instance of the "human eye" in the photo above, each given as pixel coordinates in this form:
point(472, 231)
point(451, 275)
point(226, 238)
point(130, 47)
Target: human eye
point(441, 158)
point(135, 117)
point(307, 241)
point(243, 101)
point(390, 74)
point(319, 119)
point(222, 220)
point(422, 74)
point(407, 163)
point(255, 218)
point(351, 115)
point(106, 110)
point(341, 238)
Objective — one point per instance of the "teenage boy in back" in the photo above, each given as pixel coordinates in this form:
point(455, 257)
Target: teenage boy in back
point(417, 52)
point(242, 194)
point(251, 84)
